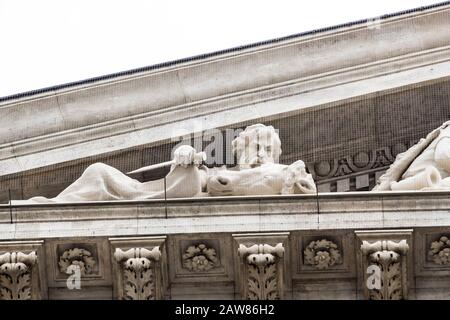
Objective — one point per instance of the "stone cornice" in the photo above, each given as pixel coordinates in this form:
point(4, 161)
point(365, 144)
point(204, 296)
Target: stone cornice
point(352, 210)
point(272, 80)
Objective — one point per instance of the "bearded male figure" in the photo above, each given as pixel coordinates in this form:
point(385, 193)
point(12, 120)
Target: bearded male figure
point(258, 172)
point(257, 149)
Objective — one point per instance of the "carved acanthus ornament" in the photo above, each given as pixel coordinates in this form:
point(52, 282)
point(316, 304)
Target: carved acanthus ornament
point(200, 258)
point(440, 251)
point(16, 275)
point(79, 257)
point(138, 272)
point(386, 263)
point(322, 254)
point(263, 275)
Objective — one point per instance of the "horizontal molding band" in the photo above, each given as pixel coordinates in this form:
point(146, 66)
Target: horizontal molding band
point(350, 210)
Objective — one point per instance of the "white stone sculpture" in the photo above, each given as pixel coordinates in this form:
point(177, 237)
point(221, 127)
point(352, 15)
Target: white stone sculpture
point(257, 149)
point(425, 166)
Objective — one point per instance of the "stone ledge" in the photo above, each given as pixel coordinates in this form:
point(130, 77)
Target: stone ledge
point(356, 210)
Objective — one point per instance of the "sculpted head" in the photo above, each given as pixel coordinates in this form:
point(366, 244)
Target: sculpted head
point(257, 144)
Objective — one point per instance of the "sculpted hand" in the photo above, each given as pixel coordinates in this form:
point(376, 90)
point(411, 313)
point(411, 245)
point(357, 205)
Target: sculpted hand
point(306, 186)
point(297, 180)
point(186, 155)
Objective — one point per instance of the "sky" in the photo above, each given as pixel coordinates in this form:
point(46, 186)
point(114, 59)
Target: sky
point(50, 42)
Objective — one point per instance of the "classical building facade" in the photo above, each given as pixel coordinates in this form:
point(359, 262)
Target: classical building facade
point(345, 100)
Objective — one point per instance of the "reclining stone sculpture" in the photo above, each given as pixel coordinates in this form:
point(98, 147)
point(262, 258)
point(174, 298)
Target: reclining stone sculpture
point(257, 149)
point(424, 166)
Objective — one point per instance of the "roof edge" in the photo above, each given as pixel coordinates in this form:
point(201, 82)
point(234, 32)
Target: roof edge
point(215, 53)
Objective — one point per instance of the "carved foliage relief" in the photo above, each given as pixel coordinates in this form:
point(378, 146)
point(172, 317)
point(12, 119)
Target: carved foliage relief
point(79, 257)
point(322, 254)
point(15, 275)
point(440, 251)
point(387, 261)
point(263, 278)
point(199, 258)
point(137, 266)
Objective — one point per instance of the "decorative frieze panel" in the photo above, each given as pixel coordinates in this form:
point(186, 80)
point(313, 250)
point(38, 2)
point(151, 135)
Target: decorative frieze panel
point(78, 257)
point(21, 271)
point(138, 266)
point(322, 254)
point(433, 252)
point(355, 172)
point(385, 264)
point(439, 251)
point(199, 258)
point(261, 267)
point(86, 258)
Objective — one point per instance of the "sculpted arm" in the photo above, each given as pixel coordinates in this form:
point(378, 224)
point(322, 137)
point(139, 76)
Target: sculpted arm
point(442, 153)
point(185, 156)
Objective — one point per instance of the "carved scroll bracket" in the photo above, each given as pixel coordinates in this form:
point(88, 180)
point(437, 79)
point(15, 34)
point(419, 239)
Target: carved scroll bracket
point(21, 277)
point(261, 266)
point(261, 254)
point(15, 275)
point(387, 259)
point(263, 274)
point(17, 261)
point(138, 271)
point(384, 267)
point(137, 259)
